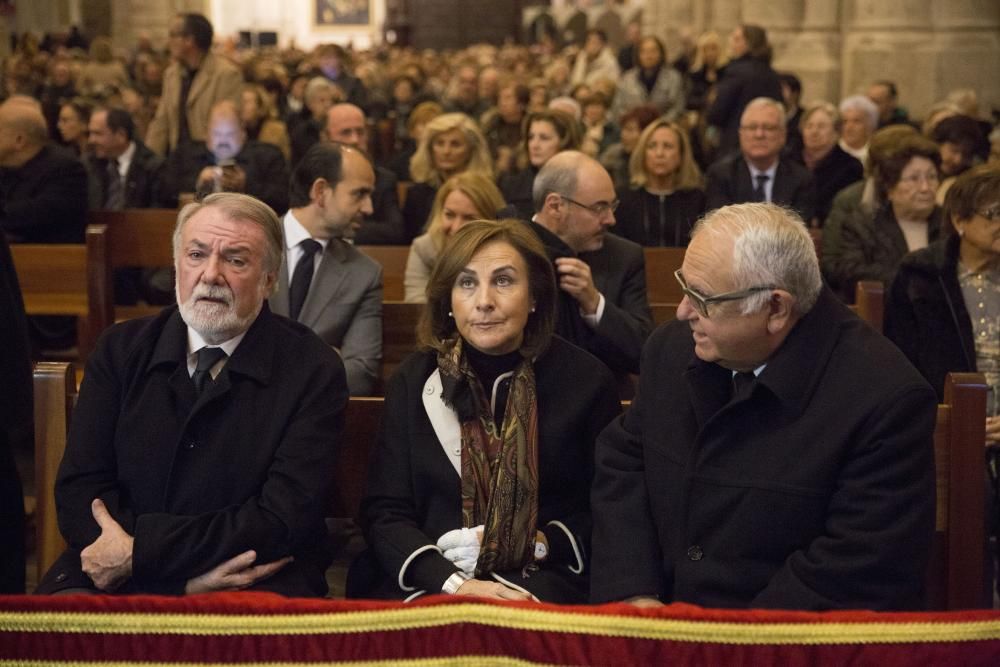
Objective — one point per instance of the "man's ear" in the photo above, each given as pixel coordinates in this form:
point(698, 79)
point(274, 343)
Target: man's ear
point(553, 203)
point(780, 311)
point(319, 186)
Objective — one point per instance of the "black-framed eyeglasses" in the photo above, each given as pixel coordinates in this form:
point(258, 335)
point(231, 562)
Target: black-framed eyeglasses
point(700, 302)
point(600, 208)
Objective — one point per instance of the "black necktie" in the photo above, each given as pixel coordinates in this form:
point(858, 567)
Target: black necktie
point(743, 384)
point(207, 357)
point(115, 199)
point(759, 193)
point(301, 278)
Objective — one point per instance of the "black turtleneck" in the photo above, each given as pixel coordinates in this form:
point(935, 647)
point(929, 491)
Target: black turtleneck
point(488, 367)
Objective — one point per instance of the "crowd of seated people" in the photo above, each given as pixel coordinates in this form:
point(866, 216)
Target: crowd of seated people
point(398, 147)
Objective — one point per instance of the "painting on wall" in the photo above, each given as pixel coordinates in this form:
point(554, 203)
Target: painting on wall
point(343, 13)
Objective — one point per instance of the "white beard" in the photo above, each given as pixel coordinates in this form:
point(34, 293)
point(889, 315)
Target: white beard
point(215, 322)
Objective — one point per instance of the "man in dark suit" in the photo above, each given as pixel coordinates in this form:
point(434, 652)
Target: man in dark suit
point(779, 453)
point(43, 188)
point(603, 306)
point(346, 124)
point(202, 443)
point(125, 173)
point(757, 172)
point(232, 163)
point(325, 282)
point(16, 425)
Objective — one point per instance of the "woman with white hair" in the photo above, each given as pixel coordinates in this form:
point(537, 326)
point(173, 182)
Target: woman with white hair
point(859, 119)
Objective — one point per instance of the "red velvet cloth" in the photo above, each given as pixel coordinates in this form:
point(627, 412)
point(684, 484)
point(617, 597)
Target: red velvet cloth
point(237, 628)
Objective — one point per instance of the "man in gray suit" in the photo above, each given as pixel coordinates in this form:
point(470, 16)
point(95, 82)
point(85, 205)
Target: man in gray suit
point(325, 282)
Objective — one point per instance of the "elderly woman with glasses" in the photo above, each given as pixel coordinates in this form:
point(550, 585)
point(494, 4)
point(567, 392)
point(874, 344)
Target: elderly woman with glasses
point(907, 219)
point(482, 470)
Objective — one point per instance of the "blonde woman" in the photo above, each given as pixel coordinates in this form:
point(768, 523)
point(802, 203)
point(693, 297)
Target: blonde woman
point(451, 144)
point(462, 198)
point(666, 196)
point(260, 120)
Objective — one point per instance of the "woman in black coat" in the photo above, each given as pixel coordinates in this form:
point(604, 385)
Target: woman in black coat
point(544, 133)
point(481, 476)
point(747, 76)
point(666, 197)
point(832, 168)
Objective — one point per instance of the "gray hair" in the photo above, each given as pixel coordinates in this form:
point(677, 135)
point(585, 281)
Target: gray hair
point(771, 246)
point(558, 175)
point(765, 102)
point(238, 206)
point(865, 106)
point(316, 85)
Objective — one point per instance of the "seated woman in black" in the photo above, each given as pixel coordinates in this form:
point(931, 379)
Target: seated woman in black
point(666, 196)
point(544, 133)
point(481, 476)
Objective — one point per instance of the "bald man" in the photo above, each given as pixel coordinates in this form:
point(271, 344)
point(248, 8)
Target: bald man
point(43, 188)
point(347, 124)
point(230, 162)
point(603, 306)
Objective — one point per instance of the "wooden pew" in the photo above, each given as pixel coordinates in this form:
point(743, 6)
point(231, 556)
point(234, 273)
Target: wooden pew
point(55, 392)
point(362, 419)
point(956, 577)
point(393, 261)
point(661, 286)
point(69, 279)
point(140, 238)
point(869, 303)
point(399, 335)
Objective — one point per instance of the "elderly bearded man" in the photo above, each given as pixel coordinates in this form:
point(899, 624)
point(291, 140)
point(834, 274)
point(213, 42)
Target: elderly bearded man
point(779, 453)
point(203, 443)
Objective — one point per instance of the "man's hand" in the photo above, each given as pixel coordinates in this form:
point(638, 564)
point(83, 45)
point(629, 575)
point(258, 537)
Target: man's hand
point(108, 560)
point(575, 278)
point(993, 431)
point(235, 574)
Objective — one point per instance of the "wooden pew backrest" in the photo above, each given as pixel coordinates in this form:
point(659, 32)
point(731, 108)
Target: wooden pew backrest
point(393, 261)
point(55, 390)
point(956, 578)
point(69, 279)
point(360, 431)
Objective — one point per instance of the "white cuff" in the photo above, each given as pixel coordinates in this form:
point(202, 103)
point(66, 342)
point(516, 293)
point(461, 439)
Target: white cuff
point(454, 582)
point(576, 548)
point(595, 319)
point(406, 564)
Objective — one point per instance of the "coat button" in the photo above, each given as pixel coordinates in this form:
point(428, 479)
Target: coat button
point(695, 553)
point(190, 444)
point(61, 577)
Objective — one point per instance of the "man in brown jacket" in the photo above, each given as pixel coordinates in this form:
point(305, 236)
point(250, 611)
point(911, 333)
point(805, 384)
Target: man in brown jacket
point(192, 84)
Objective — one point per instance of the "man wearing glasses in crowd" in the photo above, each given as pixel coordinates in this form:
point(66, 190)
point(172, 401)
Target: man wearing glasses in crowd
point(757, 172)
point(779, 453)
point(603, 306)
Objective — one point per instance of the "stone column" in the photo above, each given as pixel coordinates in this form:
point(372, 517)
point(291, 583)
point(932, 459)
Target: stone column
point(927, 48)
point(130, 17)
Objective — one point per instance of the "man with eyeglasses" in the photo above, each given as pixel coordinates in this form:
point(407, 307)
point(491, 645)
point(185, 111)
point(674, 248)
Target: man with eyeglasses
point(603, 306)
point(757, 172)
point(779, 452)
